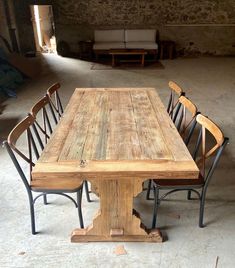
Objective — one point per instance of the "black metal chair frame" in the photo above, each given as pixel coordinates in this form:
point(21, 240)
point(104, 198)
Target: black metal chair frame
point(186, 129)
point(56, 108)
point(200, 189)
point(173, 105)
point(184, 125)
point(55, 105)
point(33, 151)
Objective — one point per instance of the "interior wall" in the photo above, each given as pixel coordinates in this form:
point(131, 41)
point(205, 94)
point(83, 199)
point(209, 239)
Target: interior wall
point(197, 26)
point(24, 22)
point(3, 26)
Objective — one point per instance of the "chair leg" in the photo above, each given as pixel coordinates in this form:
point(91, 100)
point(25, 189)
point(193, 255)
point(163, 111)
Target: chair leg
point(202, 206)
point(156, 205)
point(148, 189)
point(32, 216)
point(189, 195)
point(87, 191)
point(79, 203)
point(45, 199)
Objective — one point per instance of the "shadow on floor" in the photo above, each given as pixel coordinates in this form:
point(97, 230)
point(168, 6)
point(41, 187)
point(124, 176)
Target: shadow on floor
point(6, 125)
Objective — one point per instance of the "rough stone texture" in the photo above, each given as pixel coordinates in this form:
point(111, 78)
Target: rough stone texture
point(3, 24)
point(76, 20)
point(140, 12)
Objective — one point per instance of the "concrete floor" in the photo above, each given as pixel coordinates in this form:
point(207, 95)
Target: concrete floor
point(210, 83)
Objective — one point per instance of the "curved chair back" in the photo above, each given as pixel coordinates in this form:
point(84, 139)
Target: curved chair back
point(173, 102)
point(30, 155)
point(186, 118)
point(42, 123)
point(32, 151)
point(208, 128)
point(55, 102)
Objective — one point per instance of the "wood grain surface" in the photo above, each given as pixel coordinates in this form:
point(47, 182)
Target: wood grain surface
point(116, 138)
point(116, 125)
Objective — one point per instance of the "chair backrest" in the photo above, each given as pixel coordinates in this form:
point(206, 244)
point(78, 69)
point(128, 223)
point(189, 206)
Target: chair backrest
point(55, 102)
point(173, 102)
point(42, 114)
point(29, 153)
point(202, 155)
point(185, 118)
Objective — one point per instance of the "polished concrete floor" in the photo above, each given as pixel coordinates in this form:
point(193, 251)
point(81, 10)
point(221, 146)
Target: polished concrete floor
point(210, 83)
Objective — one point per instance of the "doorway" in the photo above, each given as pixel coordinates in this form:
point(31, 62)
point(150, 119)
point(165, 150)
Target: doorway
point(44, 28)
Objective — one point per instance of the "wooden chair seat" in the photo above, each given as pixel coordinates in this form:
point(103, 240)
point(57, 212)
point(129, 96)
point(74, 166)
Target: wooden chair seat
point(207, 168)
point(31, 153)
point(63, 185)
point(179, 182)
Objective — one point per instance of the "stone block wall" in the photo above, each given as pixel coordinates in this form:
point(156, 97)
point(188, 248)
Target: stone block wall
point(197, 26)
point(3, 24)
point(145, 12)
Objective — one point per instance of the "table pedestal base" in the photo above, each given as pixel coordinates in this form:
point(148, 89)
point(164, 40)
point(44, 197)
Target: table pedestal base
point(80, 235)
point(116, 219)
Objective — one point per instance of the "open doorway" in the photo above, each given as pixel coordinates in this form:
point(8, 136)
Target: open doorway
point(44, 28)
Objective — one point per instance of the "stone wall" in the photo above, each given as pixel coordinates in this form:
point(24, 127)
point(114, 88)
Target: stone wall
point(3, 25)
point(145, 12)
point(197, 26)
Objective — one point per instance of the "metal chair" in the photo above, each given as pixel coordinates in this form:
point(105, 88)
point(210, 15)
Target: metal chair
point(29, 155)
point(44, 126)
point(185, 121)
point(173, 105)
point(42, 123)
point(55, 102)
point(57, 109)
point(206, 160)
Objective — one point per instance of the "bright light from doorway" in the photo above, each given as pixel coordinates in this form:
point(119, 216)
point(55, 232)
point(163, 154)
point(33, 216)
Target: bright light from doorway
point(37, 20)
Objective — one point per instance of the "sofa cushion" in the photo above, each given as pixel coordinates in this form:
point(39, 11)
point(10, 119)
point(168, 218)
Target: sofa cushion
point(143, 45)
point(109, 36)
point(108, 45)
point(145, 35)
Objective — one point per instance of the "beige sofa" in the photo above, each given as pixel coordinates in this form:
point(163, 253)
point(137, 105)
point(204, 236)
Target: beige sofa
point(104, 40)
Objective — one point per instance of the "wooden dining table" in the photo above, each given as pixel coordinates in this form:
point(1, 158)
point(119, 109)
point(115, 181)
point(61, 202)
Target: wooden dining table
point(115, 138)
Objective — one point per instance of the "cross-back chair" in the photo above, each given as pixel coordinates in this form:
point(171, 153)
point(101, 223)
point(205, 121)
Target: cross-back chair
point(57, 109)
point(41, 113)
point(206, 159)
point(29, 154)
point(55, 102)
point(185, 122)
point(45, 126)
point(173, 103)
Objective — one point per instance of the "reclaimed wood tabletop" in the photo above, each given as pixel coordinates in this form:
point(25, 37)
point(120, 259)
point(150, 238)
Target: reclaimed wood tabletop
point(116, 138)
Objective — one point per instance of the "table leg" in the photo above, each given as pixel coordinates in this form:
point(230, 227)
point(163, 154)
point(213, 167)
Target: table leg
point(115, 220)
point(113, 60)
point(142, 60)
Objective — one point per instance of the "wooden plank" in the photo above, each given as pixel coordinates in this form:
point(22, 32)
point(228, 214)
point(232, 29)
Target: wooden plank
point(73, 145)
point(139, 168)
point(122, 89)
point(172, 138)
point(122, 140)
point(55, 145)
point(96, 137)
point(151, 139)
